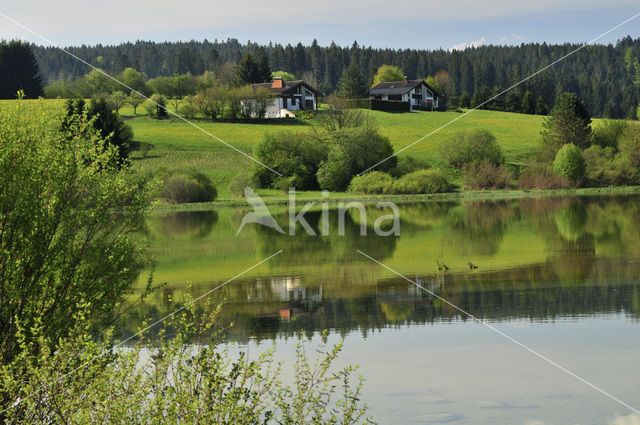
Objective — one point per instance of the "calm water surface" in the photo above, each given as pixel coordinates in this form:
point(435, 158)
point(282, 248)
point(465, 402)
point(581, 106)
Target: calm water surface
point(561, 275)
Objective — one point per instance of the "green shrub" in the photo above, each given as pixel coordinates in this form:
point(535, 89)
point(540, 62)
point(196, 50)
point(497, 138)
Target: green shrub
point(408, 164)
point(341, 103)
point(608, 134)
point(239, 183)
point(542, 178)
point(422, 181)
point(486, 175)
point(374, 182)
point(73, 215)
point(335, 173)
point(149, 107)
point(192, 187)
point(292, 154)
point(188, 108)
point(570, 163)
point(352, 151)
point(178, 376)
point(305, 115)
point(630, 146)
point(283, 184)
point(471, 146)
point(606, 168)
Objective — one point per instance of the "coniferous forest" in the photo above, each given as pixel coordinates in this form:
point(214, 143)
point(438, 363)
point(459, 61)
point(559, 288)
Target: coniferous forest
point(606, 77)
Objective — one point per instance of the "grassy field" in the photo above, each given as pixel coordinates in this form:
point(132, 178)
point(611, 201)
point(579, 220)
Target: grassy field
point(176, 145)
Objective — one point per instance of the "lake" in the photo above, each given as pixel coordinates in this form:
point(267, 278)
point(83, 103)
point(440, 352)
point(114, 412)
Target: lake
point(560, 275)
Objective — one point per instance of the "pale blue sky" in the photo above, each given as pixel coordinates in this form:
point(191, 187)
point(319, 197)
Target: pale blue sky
point(407, 24)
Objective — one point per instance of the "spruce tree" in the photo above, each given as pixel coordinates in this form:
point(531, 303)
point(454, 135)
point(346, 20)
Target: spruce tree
point(541, 107)
point(19, 71)
point(352, 85)
point(264, 70)
point(108, 124)
point(246, 71)
point(569, 122)
point(528, 104)
point(251, 71)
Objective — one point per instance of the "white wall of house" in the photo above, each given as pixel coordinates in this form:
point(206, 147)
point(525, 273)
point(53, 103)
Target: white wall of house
point(299, 100)
point(427, 95)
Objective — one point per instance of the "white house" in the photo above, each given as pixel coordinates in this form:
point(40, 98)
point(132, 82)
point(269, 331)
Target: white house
point(418, 93)
point(289, 96)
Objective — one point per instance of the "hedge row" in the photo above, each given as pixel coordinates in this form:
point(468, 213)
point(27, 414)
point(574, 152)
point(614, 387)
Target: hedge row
point(389, 105)
point(375, 104)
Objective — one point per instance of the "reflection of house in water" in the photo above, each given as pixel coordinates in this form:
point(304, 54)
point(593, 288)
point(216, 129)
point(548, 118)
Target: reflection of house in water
point(293, 297)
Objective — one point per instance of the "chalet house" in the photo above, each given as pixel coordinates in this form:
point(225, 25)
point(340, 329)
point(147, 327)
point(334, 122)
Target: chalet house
point(289, 96)
point(418, 93)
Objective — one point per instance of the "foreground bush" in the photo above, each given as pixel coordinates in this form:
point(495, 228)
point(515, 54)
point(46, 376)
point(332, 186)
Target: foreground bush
point(185, 188)
point(67, 213)
point(185, 379)
point(471, 146)
point(569, 163)
point(486, 175)
point(103, 119)
point(374, 182)
point(542, 178)
point(422, 181)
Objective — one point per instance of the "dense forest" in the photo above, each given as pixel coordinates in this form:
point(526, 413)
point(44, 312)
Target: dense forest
point(606, 77)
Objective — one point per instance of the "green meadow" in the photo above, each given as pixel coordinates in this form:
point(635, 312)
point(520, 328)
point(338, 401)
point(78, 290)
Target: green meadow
point(176, 145)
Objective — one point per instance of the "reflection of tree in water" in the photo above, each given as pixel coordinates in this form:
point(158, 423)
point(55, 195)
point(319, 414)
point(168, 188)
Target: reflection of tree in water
point(424, 215)
point(303, 248)
point(181, 225)
point(572, 250)
point(538, 209)
point(571, 221)
point(477, 228)
point(573, 260)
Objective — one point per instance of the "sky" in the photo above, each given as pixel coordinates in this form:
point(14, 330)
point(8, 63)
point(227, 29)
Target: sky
point(423, 24)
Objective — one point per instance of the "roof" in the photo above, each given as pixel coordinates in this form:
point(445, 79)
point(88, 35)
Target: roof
point(399, 87)
point(289, 87)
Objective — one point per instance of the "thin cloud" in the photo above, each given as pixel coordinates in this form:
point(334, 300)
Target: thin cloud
point(512, 39)
point(463, 46)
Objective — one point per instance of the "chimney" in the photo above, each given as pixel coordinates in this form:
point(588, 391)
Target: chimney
point(278, 83)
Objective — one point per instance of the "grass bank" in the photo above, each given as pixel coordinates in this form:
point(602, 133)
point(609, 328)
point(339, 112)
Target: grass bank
point(334, 198)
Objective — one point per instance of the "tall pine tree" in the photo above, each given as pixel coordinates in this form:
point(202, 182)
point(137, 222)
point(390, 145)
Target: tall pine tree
point(18, 71)
point(352, 85)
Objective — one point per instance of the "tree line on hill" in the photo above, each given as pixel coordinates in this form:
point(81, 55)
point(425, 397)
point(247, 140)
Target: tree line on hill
point(606, 77)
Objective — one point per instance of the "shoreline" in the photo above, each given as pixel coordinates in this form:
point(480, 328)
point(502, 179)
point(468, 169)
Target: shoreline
point(467, 195)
